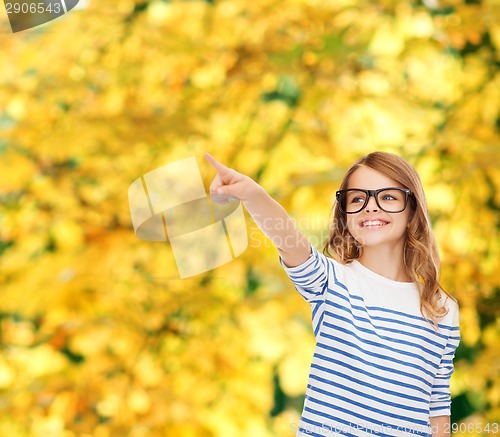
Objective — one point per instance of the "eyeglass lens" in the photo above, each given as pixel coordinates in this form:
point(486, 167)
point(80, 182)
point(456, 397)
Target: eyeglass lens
point(390, 200)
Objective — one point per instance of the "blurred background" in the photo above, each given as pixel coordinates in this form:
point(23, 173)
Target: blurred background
point(99, 336)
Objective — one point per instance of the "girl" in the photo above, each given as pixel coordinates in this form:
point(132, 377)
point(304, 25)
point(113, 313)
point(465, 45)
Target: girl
point(386, 332)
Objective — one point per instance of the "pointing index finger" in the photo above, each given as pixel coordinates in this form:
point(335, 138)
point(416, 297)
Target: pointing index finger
point(221, 168)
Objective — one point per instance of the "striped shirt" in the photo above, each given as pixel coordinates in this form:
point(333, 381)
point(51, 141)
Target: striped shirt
point(378, 367)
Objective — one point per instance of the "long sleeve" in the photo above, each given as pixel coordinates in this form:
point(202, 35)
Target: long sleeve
point(310, 278)
point(441, 397)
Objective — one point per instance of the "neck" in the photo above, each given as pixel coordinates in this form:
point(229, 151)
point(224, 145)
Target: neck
point(386, 261)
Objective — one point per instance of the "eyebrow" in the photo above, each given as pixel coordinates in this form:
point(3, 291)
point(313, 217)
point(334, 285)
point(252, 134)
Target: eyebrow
point(375, 189)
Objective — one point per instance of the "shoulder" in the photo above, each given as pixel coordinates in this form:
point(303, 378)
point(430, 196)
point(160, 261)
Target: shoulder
point(316, 262)
point(335, 271)
point(326, 258)
point(449, 302)
point(452, 306)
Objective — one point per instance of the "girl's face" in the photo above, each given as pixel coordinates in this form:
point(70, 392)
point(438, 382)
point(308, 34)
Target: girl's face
point(372, 227)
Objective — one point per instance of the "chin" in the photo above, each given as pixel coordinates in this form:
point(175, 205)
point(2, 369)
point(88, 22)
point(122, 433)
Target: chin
point(374, 241)
point(366, 243)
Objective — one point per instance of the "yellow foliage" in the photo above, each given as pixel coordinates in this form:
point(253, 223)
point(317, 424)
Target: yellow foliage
point(17, 171)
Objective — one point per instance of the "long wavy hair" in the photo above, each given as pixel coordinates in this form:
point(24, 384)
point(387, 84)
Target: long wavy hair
point(420, 252)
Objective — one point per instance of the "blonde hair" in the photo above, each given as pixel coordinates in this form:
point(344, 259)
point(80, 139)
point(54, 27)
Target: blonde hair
point(420, 253)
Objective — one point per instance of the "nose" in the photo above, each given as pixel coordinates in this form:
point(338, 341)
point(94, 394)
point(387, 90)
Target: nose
point(372, 204)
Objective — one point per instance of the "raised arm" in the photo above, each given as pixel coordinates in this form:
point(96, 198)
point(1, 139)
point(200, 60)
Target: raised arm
point(270, 216)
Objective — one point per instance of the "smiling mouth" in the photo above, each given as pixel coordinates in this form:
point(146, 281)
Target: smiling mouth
point(373, 224)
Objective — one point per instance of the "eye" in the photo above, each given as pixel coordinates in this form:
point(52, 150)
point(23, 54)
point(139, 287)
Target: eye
point(388, 197)
point(357, 199)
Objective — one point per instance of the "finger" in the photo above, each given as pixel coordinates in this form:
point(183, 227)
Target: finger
point(216, 183)
point(224, 192)
point(221, 168)
point(216, 198)
point(222, 198)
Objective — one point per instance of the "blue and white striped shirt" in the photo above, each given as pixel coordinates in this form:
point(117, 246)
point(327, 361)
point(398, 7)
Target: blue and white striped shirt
point(378, 367)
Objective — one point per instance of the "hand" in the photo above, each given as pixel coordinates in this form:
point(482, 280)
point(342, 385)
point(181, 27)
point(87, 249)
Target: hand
point(269, 215)
point(228, 184)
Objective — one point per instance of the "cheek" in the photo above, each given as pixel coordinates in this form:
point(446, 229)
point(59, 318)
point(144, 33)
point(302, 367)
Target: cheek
point(351, 227)
point(401, 226)
point(406, 219)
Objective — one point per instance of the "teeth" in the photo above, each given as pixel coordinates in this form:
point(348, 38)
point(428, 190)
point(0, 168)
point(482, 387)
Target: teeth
point(373, 223)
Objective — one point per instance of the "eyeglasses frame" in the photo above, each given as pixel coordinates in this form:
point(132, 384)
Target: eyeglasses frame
point(374, 193)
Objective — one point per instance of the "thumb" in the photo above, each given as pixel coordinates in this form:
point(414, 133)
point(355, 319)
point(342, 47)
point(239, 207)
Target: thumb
point(222, 190)
point(223, 193)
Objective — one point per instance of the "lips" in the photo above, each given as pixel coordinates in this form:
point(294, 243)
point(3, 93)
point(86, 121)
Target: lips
point(373, 223)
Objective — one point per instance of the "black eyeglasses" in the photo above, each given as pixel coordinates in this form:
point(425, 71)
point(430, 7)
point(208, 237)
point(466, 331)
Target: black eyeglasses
point(354, 200)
